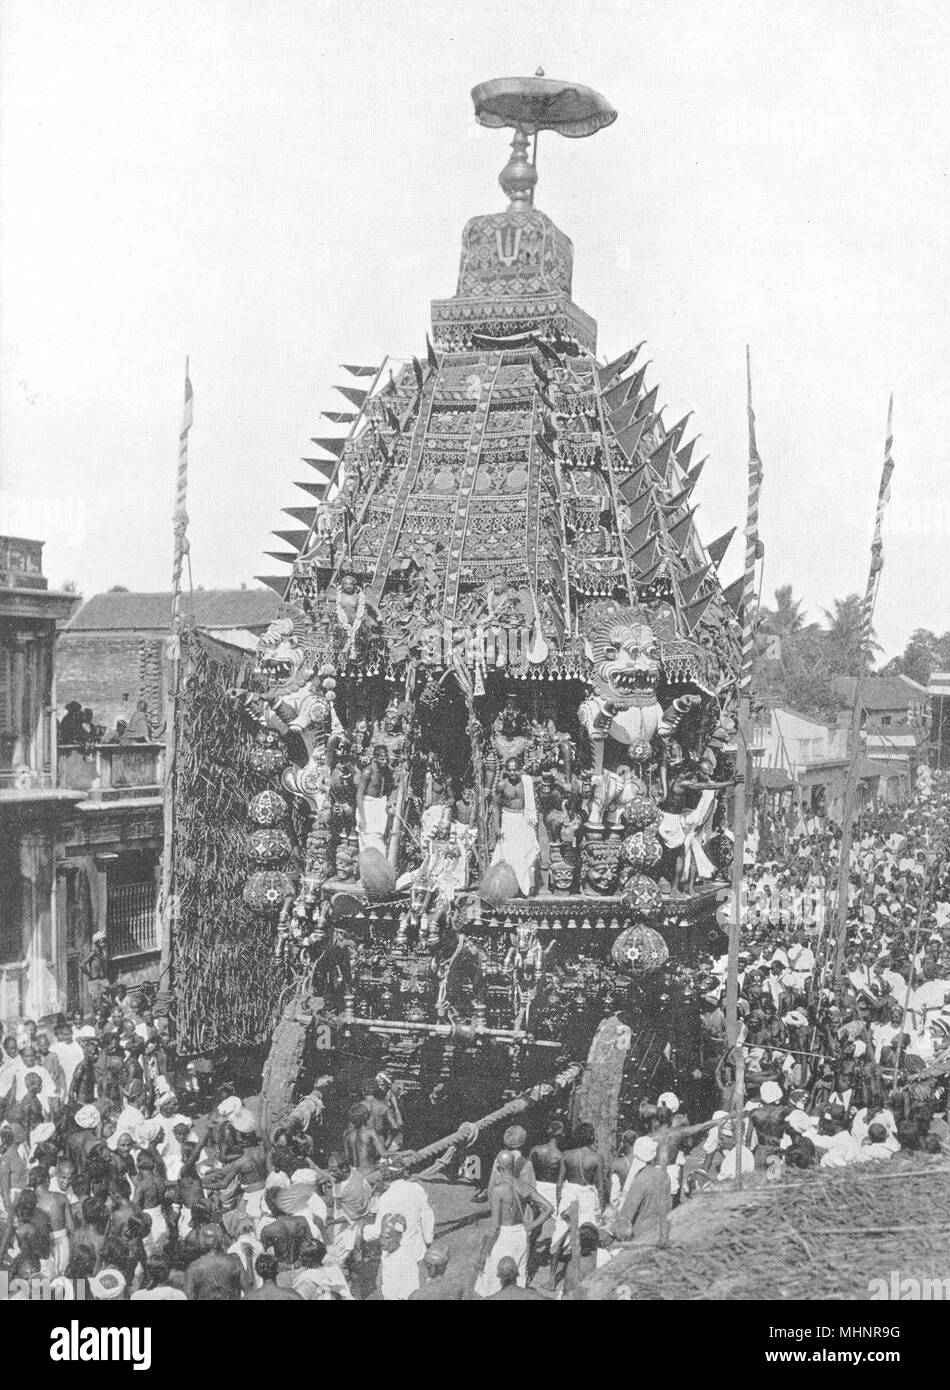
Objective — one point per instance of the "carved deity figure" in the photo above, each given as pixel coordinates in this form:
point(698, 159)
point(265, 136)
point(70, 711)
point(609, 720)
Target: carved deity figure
point(353, 609)
point(622, 708)
point(524, 964)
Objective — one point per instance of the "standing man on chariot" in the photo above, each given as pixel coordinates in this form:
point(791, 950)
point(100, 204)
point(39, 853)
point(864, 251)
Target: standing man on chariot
point(374, 786)
point(516, 820)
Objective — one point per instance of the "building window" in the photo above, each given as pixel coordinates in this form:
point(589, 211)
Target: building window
point(131, 924)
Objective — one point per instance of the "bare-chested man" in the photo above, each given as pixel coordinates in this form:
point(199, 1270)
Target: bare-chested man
point(374, 785)
point(244, 1158)
point(515, 823)
point(385, 1116)
point(509, 1233)
point(361, 1143)
point(91, 1229)
point(57, 1208)
point(547, 1162)
point(583, 1178)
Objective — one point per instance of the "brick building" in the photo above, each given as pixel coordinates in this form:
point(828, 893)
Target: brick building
point(112, 653)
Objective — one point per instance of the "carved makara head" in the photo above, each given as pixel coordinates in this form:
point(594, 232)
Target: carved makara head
point(623, 648)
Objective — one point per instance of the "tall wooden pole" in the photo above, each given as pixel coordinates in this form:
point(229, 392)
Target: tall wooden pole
point(167, 898)
point(752, 551)
point(855, 748)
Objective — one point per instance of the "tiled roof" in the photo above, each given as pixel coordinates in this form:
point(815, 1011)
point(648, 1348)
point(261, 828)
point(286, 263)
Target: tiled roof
point(881, 692)
point(213, 608)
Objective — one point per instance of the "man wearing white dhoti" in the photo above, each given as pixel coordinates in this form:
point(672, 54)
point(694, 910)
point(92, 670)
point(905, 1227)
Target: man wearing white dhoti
point(373, 788)
point(516, 821)
point(510, 1229)
point(405, 1224)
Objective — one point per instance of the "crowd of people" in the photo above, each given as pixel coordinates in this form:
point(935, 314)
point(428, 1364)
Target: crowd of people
point(126, 1175)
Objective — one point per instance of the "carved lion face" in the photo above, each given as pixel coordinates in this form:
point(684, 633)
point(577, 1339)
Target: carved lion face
point(621, 644)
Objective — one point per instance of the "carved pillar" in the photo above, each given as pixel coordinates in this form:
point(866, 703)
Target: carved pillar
point(41, 993)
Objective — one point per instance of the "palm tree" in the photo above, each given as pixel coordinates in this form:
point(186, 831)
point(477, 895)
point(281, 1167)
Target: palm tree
point(843, 632)
point(786, 618)
point(784, 621)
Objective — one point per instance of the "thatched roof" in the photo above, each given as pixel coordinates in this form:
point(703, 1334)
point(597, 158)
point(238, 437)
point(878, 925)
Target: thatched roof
point(824, 1235)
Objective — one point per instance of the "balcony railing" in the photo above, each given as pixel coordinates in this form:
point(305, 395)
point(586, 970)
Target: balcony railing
point(131, 926)
point(110, 770)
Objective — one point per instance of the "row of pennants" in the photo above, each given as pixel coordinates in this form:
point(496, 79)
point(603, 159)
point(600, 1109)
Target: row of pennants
point(326, 469)
point(630, 411)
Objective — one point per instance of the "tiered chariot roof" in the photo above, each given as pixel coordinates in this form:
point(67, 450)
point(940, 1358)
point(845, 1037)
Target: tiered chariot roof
point(509, 477)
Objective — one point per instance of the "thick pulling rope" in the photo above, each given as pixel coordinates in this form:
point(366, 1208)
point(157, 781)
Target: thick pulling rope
point(469, 1130)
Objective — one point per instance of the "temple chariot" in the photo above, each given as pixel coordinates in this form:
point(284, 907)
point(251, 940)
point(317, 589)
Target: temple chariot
point(495, 720)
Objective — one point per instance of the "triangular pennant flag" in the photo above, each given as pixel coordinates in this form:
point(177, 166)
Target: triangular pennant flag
point(648, 556)
point(618, 366)
point(618, 395)
point(353, 394)
point(679, 429)
point(297, 539)
point(359, 371)
point(679, 533)
point(629, 438)
point(333, 446)
point(695, 471)
point(325, 467)
point(622, 416)
point(635, 383)
point(660, 458)
point(282, 558)
point(717, 548)
point(689, 586)
point(640, 501)
point(695, 611)
point(680, 500)
point(637, 535)
point(339, 417)
point(277, 582)
point(648, 404)
point(306, 515)
point(317, 490)
point(684, 455)
point(733, 595)
point(647, 576)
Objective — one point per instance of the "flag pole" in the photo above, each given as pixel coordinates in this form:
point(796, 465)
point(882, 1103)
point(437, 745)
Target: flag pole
point(752, 550)
point(166, 904)
point(854, 747)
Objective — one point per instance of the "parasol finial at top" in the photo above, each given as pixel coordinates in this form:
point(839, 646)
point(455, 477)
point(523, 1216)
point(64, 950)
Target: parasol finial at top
point(532, 104)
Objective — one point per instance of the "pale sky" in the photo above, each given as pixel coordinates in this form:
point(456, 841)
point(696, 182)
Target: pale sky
point(278, 186)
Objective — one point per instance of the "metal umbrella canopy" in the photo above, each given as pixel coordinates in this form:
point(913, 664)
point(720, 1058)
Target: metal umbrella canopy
point(538, 103)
